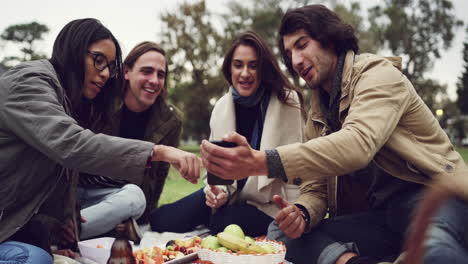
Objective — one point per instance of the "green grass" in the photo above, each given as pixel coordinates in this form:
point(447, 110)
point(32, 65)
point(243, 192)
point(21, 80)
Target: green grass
point(177, 187)
point(464, 153)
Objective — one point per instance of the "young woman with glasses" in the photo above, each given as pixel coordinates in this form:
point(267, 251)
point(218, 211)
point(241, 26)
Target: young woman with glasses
point(45, 108)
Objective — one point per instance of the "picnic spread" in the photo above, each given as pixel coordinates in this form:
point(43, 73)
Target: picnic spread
point(230, 246)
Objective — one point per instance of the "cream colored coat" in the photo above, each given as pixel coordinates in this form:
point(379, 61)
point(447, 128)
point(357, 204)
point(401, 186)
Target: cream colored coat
point(283, 125)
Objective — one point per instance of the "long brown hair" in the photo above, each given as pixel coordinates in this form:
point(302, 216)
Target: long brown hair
point(323, 25)
point(270, 75)
point(136, 53)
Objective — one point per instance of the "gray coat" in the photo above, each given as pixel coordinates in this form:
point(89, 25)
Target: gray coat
point(38, 138)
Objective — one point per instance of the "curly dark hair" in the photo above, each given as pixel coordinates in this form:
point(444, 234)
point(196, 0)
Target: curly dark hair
point(323, 25)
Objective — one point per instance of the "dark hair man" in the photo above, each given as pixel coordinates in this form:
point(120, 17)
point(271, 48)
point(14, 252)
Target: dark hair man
point(372, 142)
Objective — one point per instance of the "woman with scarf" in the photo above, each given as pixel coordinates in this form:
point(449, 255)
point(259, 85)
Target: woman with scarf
point(263, 106)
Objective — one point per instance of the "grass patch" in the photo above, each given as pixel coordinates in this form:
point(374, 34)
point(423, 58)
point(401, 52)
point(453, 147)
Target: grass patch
point(177, 187)
point(464, 153)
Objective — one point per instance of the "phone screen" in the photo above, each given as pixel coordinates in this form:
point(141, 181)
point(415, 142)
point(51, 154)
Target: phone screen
point(213, 179)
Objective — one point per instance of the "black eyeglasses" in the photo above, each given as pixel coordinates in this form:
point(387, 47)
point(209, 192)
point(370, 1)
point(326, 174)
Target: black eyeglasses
point(101, 63)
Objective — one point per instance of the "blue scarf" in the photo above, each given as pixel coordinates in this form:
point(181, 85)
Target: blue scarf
point(261, 96)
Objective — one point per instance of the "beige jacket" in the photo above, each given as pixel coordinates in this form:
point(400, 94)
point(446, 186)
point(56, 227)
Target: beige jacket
point(283, 125)
point(383, 119)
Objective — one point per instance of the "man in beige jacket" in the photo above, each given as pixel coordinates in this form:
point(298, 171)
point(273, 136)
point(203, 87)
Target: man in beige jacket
point(366, 125)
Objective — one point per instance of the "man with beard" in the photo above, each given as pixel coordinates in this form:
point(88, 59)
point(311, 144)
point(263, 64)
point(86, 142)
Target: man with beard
point(372, 142)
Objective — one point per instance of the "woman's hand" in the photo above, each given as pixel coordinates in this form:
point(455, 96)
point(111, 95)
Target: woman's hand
point(188, 164)
point(215, 197)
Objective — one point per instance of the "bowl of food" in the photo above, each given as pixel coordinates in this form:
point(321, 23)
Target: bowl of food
point(232, 246)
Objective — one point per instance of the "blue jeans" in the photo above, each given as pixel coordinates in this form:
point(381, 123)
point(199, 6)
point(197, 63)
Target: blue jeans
point(376, 233)
point(191, 211)
point(104, 208)
point(448, 236)
point(12, 252)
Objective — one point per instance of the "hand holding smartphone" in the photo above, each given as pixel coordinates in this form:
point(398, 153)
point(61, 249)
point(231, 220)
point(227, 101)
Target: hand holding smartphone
point(213, 179)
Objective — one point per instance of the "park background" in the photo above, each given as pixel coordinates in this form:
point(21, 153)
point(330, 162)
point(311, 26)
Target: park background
point(430, 35)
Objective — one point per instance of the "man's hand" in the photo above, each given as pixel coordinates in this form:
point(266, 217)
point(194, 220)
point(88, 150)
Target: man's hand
point(289, 218)
point(215, 197)
point(233, 163)
point(188, 164)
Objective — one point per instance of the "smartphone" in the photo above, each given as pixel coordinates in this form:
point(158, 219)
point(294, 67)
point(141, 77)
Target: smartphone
point(213, 179)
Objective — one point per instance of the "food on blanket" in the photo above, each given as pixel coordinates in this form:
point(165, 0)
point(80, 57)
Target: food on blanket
point(238, 244)
point(210, 242)
point(175, 249)
point(235, 230)
point(99, 246)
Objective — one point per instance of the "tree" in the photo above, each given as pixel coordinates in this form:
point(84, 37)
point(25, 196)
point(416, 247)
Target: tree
point(25, 35)
point(192, 45)
point(462, 85)
point(368, 35)
point(419, 30)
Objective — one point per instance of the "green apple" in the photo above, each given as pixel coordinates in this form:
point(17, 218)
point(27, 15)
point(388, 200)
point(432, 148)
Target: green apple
point(222, 249)
point(234, 230)
point(269, 248)
point(249, 239)
point(210, 242)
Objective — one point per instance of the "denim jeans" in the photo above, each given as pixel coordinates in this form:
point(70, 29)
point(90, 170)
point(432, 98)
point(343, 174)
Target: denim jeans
point(447, 239)
point(12, 252)
point(189, 212)
point(104, 208)
point(376, 233)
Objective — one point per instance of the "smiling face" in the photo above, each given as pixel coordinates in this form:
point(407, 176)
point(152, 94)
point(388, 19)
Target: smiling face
point(244, 73)
point(94, 79)
point(313, 63)
point(146, 81)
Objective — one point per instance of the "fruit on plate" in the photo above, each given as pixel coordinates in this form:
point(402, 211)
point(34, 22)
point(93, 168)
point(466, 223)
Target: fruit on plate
point(238, 244)
point(174, 249)
point(210, 242)
point(249, 239)
point(235, 230)
point(269, 248)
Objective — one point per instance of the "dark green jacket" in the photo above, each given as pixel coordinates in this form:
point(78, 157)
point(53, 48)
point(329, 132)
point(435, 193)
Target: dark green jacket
point(164, 128)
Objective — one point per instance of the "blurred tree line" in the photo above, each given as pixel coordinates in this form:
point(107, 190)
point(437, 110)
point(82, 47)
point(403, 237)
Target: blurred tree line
point(196, 38)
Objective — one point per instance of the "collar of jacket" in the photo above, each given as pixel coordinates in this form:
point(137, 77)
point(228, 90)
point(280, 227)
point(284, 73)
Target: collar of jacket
point(163, 118)
point(315, 111)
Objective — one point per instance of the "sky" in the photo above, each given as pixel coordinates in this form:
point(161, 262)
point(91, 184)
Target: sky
point(139, 20)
